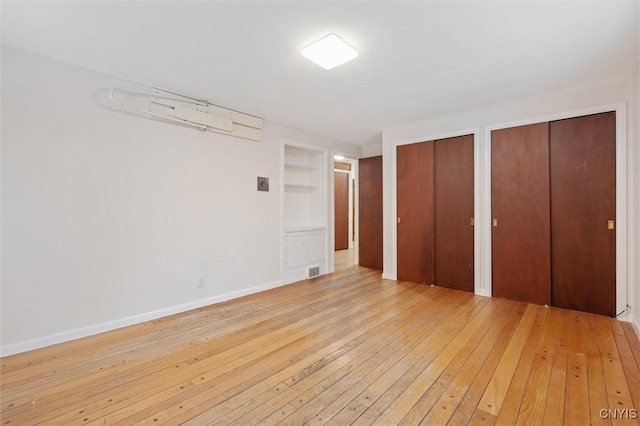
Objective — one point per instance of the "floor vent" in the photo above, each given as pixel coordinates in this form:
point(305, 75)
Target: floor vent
point(314, 272)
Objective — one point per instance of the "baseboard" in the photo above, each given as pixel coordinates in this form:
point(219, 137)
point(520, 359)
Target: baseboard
point(41, 342)
point(482, 292)
point(388, 276)
point(636, 325)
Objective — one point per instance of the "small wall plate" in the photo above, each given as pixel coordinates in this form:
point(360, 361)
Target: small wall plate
point(263, 184)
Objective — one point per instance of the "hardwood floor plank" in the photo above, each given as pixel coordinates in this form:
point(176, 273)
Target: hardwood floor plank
point(427, 398)
point(598, 398)
point(631, 370)
point(250, 366)
point(471, 398)
point(374, 400)
point(577, 391)
point(482, 418)
point(444, 408)
point(513, 399)
point(531, 410)
point(219, 358)
point(333, 399)
point(58, 386)
point(390, 339)
point(615, 380)
point(355, 372)
point(208, 412)
point(222, 320)
point(425, 387)
point(555, 407)
point(632, 339)
point(345, 348)
point(496, 391)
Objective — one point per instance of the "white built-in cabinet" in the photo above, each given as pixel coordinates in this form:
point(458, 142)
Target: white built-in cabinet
point(305, 212)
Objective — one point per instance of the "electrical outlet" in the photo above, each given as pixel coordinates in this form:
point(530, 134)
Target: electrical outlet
point(202, 281)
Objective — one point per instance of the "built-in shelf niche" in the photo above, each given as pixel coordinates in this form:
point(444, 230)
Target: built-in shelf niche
point(305, 181)
point(305, 187)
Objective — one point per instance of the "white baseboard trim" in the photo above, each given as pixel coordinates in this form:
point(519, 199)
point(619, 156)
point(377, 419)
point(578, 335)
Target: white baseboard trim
point(482, 292)
point(636, 325)
point(65, 336)
point(388, 276)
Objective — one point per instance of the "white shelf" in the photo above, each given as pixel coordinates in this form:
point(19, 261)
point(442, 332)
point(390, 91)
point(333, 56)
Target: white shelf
point(305, 187)
point(307, 228)
point(299, 167)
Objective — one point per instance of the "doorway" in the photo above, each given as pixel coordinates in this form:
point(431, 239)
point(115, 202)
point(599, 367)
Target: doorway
point(345, 214)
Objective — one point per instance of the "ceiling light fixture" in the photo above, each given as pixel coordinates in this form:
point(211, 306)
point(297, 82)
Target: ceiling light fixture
point(329, 52)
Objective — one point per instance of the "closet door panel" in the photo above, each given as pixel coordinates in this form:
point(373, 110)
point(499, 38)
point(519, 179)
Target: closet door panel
point(453, 212)
point(370, 212)
point(583, 200)
point(415, 195)
point(521, 258)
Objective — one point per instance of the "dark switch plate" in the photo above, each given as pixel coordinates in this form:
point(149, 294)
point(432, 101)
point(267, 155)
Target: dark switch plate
point(263, 184)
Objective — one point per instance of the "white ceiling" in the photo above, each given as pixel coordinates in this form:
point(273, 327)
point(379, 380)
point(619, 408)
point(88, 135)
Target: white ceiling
point(417, 60)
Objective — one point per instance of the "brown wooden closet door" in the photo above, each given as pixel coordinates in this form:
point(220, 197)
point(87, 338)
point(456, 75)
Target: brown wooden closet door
point(341, 210)
point(583, 200)
point(370, 212)
point(521, 259)
point(415, 194)
point(453, 212)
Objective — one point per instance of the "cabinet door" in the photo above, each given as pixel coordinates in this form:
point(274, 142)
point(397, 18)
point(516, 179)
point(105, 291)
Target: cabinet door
point(370, 212)
point(316, 247)
point(296, 250)
point(583, 200)
point(521, 241)
point(415, 213)
point(453, 212)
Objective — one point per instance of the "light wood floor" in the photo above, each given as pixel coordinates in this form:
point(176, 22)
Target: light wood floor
point(344, 259)
point(349, 348)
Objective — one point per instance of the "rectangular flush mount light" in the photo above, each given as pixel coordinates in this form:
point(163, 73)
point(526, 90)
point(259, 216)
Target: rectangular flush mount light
point(329, 52)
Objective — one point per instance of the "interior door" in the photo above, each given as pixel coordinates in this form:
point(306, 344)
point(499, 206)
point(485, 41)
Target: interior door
point(454, 212)
point(583, 201)
point(341, 210)
point(521, 240)
point(370, 212)
point(415, 197)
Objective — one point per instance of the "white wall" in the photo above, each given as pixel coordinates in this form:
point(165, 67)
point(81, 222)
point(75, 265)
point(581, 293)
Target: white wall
point(371, 150)
point(1, 156)
point(478, 121)
point(634, 176)
point(634, 201)
point(110, 218)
